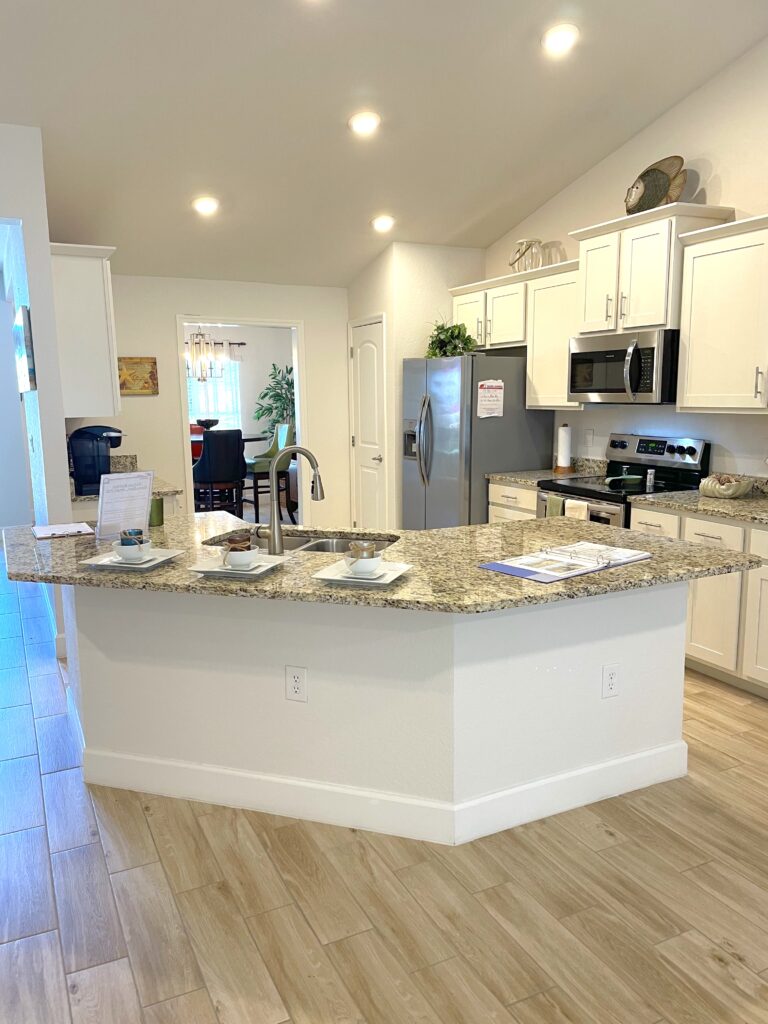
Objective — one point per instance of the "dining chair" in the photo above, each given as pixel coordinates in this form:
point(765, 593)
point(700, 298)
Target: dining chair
point(259, 466)
point(218, 475)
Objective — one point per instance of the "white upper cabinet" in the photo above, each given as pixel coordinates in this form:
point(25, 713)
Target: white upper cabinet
point(644, 275)
point(505, 314)
point(724, 326)
point(630, 268)
point(85, 329)
point(469, 310)
point(598, 281)
point(553, 304)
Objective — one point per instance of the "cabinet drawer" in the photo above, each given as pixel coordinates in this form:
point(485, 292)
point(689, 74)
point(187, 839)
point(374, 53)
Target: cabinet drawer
point(721, 535)
point(497, 514)
point(512, 497)
point(758, 544)
point(655, 524)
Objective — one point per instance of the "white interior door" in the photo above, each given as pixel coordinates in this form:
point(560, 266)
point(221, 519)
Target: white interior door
point(369, 470)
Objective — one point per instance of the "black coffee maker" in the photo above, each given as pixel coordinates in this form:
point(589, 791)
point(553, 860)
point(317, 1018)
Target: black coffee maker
point(89, 449)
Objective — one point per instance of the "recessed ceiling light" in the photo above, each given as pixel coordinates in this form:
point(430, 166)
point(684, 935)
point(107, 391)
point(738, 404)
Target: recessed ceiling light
point(365, 123)
point(206, 206)
point(383, 223)
point(559, 40)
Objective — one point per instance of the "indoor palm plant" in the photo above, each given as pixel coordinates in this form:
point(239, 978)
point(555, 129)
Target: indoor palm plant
point(449, 340)
point(276, 403)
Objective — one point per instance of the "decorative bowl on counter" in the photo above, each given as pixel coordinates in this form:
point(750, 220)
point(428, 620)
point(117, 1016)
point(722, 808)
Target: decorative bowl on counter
point(724, 485)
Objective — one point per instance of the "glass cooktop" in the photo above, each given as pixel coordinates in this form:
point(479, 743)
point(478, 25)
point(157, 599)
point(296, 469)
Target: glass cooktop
point(617, 490)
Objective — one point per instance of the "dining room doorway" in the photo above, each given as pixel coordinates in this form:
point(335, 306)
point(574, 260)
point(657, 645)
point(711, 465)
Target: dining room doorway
point(240, 374)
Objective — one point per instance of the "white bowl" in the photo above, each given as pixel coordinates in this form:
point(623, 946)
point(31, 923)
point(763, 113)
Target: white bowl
point(132, 552)
point(363, 566)
point(240, 559)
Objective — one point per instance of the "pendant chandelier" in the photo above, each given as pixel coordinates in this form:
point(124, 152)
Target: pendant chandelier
point(205, 355)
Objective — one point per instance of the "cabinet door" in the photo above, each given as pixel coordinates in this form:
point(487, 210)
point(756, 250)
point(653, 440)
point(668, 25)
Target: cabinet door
point(553, 305)
point(598, 277)
point(505, 315)
point(714, 603)
point(755, 648)
point(644, 275)
point(505, 515)
point(470, 311)
point(655, 524)
point(82, 292)
point(724, 323)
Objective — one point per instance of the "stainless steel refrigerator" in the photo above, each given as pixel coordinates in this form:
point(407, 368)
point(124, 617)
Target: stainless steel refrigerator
point(448, 448)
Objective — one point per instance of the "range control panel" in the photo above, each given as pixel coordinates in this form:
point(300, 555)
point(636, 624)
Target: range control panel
point(658, 451)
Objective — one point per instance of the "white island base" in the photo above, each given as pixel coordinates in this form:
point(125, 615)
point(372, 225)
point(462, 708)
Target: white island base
point(435, 726)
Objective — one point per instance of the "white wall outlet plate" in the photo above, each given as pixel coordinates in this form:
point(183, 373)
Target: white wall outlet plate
point(296, 683)
point(610, 681)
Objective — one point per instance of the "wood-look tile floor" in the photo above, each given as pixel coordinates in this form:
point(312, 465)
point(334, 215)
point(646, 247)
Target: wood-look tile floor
point(124, 908)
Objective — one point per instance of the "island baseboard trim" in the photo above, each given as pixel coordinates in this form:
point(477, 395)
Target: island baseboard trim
point(369, 809)
point(564, 792)
point(395, 814)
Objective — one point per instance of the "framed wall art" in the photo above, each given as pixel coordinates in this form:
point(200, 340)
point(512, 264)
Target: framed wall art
point(138, 375)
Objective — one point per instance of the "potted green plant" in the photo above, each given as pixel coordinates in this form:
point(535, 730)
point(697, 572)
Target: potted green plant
point(449, 340)
point(276, 403)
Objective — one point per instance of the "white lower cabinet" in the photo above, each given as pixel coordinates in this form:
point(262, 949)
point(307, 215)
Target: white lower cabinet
point(498, 514)
point(714, 603)
point(655, 524)
point(755, 647)
point(507, 502)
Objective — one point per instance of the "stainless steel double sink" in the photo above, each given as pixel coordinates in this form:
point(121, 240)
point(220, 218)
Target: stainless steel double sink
point(303, 542)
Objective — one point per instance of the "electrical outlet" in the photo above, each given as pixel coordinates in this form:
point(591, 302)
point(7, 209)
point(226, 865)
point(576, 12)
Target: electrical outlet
point(610, 680)
point(589, 437)
point(296, 683)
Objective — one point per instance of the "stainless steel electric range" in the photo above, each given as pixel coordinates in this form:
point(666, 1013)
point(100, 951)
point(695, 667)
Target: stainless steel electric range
point(637, 464)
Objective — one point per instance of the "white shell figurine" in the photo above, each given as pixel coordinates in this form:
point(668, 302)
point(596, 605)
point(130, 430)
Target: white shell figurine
point(724, 485)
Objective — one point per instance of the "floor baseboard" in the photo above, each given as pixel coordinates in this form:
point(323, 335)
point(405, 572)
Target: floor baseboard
point(391, 813)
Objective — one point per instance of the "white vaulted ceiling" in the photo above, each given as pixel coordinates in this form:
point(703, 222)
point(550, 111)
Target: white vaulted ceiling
point(145, 104)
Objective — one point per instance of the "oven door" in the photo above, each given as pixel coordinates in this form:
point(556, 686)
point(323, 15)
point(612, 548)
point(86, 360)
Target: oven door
point(616, 368)
point(605, 512)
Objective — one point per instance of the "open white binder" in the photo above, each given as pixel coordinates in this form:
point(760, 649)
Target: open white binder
point(550, 565)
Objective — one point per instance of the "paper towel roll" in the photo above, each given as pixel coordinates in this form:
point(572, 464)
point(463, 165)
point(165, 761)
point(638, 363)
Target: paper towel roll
point(564, 446)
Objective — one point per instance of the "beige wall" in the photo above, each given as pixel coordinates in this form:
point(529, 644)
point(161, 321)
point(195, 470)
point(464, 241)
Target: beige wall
point(145, 317)
point(408, 283)
point(721, 131)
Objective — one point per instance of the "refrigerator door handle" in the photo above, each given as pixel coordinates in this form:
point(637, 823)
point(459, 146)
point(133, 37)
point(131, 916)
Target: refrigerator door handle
point(420, 440)
point(427, 433)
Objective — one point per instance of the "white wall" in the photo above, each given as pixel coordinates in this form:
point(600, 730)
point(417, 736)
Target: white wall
point(22, 199)
point(263, 347)
point(721, 131)
point(408, 283)
point(145, 321)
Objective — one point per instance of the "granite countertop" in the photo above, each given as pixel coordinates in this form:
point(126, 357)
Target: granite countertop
point(445, 576)
point(160, 489)
point(745, 510)
point(532, 477)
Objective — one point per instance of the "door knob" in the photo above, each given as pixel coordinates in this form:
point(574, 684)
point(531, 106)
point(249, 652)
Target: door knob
point(377, 458)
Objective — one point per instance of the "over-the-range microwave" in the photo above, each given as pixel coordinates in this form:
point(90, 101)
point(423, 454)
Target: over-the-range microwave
point(625, 368)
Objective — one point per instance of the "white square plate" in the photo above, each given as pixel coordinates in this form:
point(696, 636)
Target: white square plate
point(109, 560)
point(263, 563)
point(338, 573)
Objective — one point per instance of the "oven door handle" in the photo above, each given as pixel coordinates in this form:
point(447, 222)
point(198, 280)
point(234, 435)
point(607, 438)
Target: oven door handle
point(627, 365)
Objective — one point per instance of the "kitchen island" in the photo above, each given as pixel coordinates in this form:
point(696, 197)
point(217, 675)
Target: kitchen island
point(454, 703)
